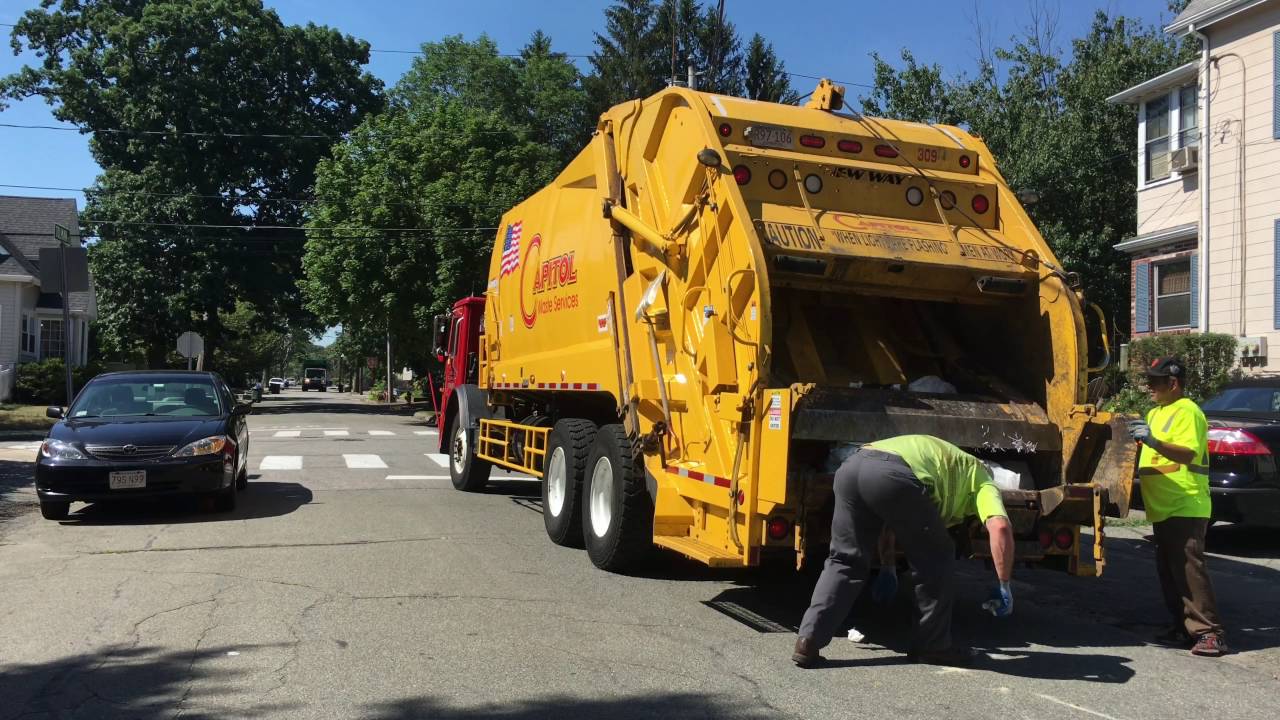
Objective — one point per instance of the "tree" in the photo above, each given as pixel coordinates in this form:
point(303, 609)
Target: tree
point(202, 112)
point(629, 61)
point(467, 135)
point(1046, 119)
point(764, 75)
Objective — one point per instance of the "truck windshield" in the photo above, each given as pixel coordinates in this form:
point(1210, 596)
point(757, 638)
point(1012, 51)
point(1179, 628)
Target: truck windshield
point(315, 372)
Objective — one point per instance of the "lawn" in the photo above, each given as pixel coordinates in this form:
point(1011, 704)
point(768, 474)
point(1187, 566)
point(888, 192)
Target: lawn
point(24, 417)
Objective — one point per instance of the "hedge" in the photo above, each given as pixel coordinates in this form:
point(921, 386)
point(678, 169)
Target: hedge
point(45, 382)
point(1210, 359)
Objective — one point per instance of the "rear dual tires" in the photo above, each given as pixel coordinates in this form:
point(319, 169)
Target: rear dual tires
point(568, 449)
point(55, 510)
point(468, 472)
point(617, 510)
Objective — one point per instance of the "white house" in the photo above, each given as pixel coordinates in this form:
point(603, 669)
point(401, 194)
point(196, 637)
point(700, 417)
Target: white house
point(1208, 226)
point(31, 325)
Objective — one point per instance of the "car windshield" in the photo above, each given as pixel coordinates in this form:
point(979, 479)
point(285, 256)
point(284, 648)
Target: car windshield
point(1245, 399)
point(135, 397)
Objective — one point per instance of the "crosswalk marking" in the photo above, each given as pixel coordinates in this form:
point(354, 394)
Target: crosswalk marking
point(424, 432)
point(287, 433)
point(281, 462)
point(381, 432)
point(440, 459)
point(336, 433)
point(357, 462)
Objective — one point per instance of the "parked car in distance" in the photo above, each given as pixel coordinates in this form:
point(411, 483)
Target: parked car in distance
point(275, 385)
point(290, 382)
point(142, 434)
point(1244, 439)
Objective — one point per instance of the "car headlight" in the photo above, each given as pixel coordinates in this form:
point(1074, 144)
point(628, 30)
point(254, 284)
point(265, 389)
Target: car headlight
point(207, 446)
point(59, 450)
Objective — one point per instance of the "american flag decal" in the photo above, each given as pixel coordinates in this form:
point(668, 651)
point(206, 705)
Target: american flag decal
point(511, 249)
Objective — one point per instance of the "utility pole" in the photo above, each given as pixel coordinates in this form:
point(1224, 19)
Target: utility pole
point(64, 237)
point(389, 400)
point(693, 78)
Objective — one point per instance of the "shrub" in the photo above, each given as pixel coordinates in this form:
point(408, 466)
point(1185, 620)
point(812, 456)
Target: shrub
point(44, 382)
point(1210, 359)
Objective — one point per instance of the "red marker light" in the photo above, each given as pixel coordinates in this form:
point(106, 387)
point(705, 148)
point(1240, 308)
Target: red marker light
point(726, 129)
point(1064, 538)
point(964, 161)
point(885, 151)
point(849, 146)
point(742, 174)
point(981, 204)
point(779, 528)
point(812, 141)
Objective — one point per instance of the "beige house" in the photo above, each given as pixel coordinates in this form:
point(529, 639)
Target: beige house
point(1208, 225)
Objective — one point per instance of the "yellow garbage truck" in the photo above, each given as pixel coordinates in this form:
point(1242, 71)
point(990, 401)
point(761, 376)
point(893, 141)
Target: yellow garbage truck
point(719, 299)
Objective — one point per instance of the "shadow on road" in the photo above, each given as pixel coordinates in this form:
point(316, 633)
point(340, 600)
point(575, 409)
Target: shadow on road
point(1243, 541)
point(340, 404)
point(259, 500)
point(666, 705)
point(127, 682)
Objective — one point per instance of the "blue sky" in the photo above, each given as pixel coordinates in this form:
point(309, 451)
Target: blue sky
point(832, 38)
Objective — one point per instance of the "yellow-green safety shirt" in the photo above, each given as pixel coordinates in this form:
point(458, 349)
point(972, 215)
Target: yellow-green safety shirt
point(1171, 489)
point(959, 484)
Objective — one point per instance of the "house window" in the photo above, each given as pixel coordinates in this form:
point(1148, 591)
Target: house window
point(1188, 114)
point(1157, 149)
point(52, 339)
point(28, 339)
point(1173, 295)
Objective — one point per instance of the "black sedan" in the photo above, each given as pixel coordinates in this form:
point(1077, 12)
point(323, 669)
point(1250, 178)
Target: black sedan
point(1244, 437)
point(145, 434)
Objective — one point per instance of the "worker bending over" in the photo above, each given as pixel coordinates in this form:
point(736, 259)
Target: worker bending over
point(917, 486)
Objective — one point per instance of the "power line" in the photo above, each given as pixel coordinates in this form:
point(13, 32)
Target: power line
point(252, 226)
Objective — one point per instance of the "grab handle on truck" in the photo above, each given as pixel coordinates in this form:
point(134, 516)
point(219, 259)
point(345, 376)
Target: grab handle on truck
point(1106, 344)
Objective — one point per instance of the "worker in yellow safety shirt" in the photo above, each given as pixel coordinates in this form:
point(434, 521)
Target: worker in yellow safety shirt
point(1173, 470)
point(916, 486)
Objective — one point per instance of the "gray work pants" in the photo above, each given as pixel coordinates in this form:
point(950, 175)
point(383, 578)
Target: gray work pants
point(874, 489)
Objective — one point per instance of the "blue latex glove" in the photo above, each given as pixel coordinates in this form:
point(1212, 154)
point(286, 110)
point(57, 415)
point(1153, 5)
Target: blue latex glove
point(1140, 431)
point(1001, 602)
point(885, 587)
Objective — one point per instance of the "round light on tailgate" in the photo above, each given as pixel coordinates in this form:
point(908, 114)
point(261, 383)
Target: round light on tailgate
point(742, 174)
point(1064, 538)
point(964, 161)
point(849, 146)
point(915, 196)
point(981, 204)
point(812, 184)
point(779, 528)
point(725, 129)
point(947, 199)
point(1046, 538)
point(777, 179)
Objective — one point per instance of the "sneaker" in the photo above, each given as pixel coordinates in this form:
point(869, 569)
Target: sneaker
point(1176, 637)
point(806, 653)
point(961, 657)
point(1209, 645)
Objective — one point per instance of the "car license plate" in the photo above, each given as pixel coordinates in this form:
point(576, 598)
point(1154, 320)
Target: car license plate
point(127, 480)
point(769, 136)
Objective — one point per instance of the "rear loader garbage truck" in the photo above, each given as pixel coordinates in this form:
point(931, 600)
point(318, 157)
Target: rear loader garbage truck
point(718, 299)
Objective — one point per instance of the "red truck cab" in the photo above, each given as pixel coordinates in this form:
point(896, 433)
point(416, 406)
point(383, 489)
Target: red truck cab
point(456, 343)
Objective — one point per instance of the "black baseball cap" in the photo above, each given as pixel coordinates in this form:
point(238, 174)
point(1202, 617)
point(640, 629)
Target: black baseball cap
point(1167, 367)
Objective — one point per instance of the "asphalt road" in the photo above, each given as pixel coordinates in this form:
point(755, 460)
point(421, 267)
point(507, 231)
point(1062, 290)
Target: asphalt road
point(341, 588)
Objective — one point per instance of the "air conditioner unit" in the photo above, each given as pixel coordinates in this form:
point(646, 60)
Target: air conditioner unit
point(1185, 159)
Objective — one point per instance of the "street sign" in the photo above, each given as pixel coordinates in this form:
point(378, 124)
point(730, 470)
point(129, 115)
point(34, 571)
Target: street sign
point(61, 233)
point(372, 361)
point(190, 344)
point(51, 269)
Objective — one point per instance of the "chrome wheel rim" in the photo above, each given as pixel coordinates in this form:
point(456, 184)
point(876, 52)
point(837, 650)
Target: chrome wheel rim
point(557, 483)
point(601, 497)
point(459, 449)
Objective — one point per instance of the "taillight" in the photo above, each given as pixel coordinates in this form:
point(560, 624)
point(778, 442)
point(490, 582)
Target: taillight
point(981, 204)
point(777, 179)
point(812, 141)
point(849, 146)
point(947, 199)
point(886, 151)
point(915, 196)
point(1234, 441)
point(742, 497)
point(813, 184)
point(725, 129)
point(964, 161)
point(742, 174)
point(779, 527)
point(1046, 538)
point(1064, 538)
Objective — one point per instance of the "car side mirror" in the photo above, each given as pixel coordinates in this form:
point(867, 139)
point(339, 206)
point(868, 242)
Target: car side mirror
point(54, 412)
point(242, 408)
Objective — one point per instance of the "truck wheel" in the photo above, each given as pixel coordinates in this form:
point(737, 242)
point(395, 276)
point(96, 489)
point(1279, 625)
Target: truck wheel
point(468, 472)
point(55, 510)
point(617, 510)
point(568, 445)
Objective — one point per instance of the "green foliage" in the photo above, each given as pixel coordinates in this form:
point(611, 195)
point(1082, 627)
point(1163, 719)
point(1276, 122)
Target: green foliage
point(765, 76)
point(1046, 119)
point(45, 382)
point(1210, 359)
point(162, 86)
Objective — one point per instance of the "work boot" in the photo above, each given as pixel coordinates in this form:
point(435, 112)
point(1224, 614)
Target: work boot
point(1174, 637)
point(806, 653)
point(954, 656)
point(1210, 645)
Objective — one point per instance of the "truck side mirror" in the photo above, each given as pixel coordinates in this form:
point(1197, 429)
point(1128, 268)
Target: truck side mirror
point(440, 336)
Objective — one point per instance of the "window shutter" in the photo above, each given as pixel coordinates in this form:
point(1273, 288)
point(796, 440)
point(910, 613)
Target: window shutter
point(1142, 297)
point(1275, 288)
point(1275, 89)
point(1195, 290)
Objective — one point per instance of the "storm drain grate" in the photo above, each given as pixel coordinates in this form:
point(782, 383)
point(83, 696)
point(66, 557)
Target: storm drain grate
point(750, 618)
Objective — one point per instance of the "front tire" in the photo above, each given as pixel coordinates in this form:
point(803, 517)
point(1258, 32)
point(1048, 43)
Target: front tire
point(617, 510)
point(468, 472)
point(55, 510)
point(568, 447)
